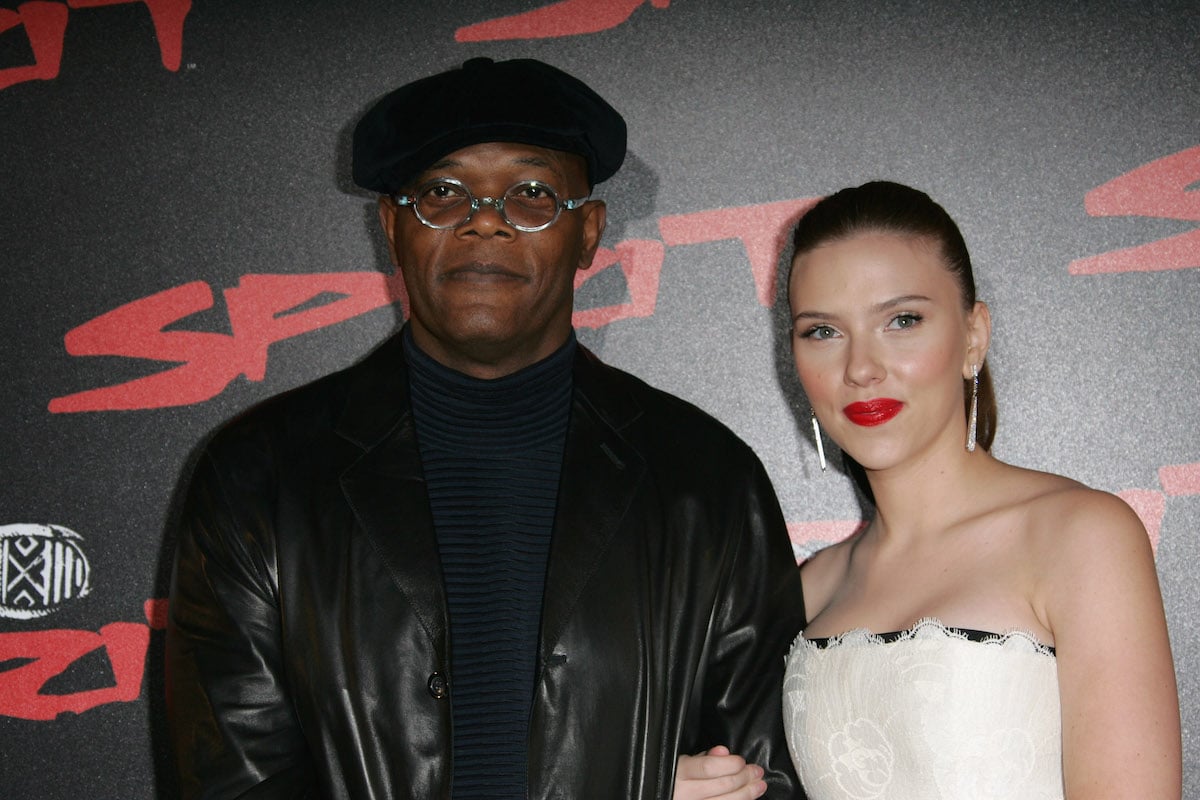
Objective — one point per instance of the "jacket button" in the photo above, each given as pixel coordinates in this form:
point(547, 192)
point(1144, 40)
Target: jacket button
point(439, 687)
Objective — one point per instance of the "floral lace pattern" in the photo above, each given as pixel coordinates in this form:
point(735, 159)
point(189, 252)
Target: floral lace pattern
point(931, 712)
point(931, 628)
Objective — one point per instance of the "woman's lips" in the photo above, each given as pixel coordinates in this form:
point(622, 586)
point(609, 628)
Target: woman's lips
point(872, 412)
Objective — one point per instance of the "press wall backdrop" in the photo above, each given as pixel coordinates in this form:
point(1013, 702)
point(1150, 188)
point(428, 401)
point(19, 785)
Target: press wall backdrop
point(179, 239)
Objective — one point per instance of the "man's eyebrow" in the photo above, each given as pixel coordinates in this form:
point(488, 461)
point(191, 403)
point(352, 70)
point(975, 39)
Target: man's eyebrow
point(442, 164)
point(534, 161)
point(542, 163)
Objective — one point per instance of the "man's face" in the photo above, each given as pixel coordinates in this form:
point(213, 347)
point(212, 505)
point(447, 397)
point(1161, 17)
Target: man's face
point(485, 298)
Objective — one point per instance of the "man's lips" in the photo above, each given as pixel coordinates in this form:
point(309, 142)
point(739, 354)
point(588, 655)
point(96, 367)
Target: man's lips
point(872, 412)
point(481, 273)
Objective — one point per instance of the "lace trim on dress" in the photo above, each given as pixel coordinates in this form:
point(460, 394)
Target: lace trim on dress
point(930, 628)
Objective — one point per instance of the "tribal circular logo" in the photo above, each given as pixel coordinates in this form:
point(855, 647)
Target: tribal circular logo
point(41, 568)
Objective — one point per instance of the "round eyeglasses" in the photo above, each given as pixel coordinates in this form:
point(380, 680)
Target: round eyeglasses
point(447, 203)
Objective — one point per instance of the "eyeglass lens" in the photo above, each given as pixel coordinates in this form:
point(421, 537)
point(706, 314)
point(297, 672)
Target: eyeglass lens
point(528, 204)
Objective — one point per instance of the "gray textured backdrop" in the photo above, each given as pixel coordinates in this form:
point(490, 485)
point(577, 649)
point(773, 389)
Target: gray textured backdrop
point(136, 160)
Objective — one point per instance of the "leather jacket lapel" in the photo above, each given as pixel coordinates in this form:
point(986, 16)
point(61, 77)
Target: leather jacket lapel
point(601, 473)
point(386, 486)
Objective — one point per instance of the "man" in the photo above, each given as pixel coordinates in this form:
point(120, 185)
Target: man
point(480, 563)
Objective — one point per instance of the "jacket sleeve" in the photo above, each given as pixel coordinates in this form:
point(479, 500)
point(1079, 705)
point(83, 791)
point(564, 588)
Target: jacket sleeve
point(758, 615)
point(229, 715)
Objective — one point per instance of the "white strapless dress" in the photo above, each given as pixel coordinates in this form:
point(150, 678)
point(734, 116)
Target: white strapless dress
point(932, 712)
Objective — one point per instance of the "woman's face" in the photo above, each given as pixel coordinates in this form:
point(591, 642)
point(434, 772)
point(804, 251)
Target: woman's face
point(882, 344)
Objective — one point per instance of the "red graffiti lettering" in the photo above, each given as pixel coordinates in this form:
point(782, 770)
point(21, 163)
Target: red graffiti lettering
point(263, 309)
point(52, 652)
point(167, 16)
point(564, 18)
point(1180, 479)
point(762, 230)
point(1150, 506)
point(641, 261)
point(805, 535)
point(1158, 189)
point(46, 25)
point(1177, 252)
point(47, 654)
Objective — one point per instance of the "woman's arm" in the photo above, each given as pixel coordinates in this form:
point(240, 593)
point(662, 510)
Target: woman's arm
point(1120, 707)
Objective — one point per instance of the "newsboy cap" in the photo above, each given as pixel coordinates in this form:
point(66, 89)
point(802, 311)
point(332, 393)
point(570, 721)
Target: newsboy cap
point(522, 100)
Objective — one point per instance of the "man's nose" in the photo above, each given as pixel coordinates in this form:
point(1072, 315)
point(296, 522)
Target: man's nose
point(487, 219)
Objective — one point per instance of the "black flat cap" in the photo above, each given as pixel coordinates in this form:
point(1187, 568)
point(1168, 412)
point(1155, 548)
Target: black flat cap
point(522, 100)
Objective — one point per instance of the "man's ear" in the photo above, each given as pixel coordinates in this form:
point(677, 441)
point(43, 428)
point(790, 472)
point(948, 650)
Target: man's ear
point(979, 336)
point(595, 217)
point(387, 218)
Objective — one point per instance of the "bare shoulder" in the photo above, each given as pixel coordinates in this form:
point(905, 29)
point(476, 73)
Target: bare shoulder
point(823, 572)
point(1087, 550)
point(1094, 588)
point(1078, 525)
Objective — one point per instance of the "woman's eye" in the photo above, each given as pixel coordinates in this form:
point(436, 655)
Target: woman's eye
point(902, 321)
point(819, 332)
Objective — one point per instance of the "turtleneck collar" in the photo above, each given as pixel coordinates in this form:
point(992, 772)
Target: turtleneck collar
point(528, 391)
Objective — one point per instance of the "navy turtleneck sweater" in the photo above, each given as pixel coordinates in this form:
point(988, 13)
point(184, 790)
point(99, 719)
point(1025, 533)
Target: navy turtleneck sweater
point(492, 455)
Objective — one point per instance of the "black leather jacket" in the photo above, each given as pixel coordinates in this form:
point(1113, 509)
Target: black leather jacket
point(307, 644)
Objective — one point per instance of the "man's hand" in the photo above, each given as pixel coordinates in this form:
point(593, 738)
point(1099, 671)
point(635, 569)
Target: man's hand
point(717, 774)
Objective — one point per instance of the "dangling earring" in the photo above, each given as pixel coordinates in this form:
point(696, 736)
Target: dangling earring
point(974, 416)
point(817, 439)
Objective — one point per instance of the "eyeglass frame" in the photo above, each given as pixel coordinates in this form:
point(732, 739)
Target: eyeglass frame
point(497, 203)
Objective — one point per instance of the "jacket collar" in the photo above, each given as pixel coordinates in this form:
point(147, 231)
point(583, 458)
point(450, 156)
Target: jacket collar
point(386, 485)
point(378, 394)
point(601, 473)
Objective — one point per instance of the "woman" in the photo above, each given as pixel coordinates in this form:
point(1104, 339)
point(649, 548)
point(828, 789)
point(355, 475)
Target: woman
point(993, 631)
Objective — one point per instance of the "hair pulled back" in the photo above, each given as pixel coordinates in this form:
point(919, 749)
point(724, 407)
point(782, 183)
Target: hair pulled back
point(886, 207)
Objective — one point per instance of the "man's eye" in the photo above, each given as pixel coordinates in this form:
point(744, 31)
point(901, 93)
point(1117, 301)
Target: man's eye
point(441, 193)
point(443, 190)
point(532, 191)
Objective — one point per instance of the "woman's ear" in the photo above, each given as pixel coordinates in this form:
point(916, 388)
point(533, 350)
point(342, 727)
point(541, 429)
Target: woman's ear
point(979, 336)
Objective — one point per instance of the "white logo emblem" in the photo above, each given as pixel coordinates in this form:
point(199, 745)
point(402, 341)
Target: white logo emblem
point(41, 567)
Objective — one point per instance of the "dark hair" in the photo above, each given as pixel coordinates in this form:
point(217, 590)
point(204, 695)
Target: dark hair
point(886, 207)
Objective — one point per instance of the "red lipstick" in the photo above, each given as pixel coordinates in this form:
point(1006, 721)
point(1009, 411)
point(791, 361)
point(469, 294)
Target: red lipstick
point(872, 412)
